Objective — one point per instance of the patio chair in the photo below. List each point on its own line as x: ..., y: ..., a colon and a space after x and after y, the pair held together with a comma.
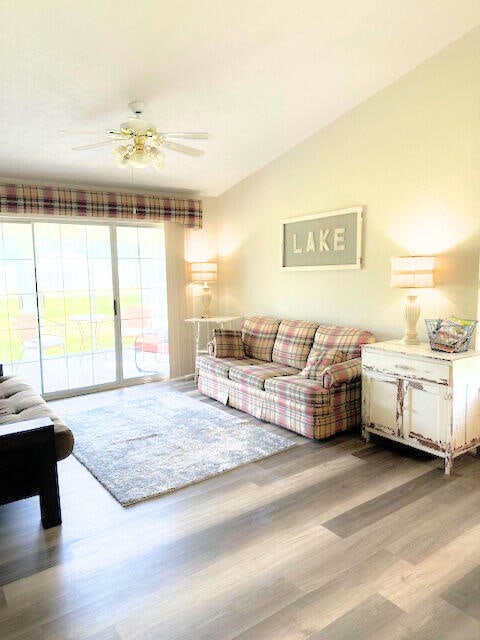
x: 26, y: 328
x: 134, y: 321
x: 156, y: 343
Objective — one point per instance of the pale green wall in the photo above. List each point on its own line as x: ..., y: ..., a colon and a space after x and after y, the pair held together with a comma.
x: 410, y: 155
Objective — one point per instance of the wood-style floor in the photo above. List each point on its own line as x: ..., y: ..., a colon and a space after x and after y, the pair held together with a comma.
x: 326, y: 541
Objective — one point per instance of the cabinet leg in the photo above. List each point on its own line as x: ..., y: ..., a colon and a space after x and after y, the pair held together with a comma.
x: 366, y: 435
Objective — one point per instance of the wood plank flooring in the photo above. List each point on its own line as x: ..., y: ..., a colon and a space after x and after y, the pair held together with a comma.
x: 339, y: 540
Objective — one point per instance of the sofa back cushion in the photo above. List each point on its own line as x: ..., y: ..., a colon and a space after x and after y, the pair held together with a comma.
x: 341, y: 338
x: 258, y: 335
x: 293, y: 342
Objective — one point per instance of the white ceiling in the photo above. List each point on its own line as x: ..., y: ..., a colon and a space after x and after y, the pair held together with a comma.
x: 259, y: 75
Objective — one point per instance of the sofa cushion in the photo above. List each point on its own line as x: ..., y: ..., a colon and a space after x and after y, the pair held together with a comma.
x: 258, y: 335
x: 221, y: 366
x: 298, y: 389
x: 319, y: 360
x: 342, y: 338
x: 227, y: 343
x: 255, y: 375
x: 293, y: 342
x: 18, y: 401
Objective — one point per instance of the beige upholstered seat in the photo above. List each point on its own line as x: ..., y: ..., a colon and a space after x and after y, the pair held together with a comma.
x: 18, y: 401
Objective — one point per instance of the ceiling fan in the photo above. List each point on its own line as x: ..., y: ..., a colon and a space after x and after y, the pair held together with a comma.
x: 142, y: 143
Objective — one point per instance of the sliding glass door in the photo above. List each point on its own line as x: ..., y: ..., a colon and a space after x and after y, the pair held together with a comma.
x: 82, y: 305
x: 143, y: 300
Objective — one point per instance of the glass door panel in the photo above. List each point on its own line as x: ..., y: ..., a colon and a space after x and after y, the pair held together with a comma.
x: 19, y: 334
x: 75, y: 299
x: 143, y: 301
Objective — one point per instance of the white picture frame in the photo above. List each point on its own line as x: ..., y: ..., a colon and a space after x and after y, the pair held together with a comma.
x: 355, y: 263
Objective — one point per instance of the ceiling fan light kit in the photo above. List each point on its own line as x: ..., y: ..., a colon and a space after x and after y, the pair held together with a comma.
x: 143, y: 143
x: 138, y: 157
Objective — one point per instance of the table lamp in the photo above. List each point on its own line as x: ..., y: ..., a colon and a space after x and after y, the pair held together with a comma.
x: 203, y: 273
x: 412, y: 272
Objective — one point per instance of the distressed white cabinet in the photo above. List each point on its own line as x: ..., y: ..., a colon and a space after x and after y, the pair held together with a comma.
x: 423, y: 398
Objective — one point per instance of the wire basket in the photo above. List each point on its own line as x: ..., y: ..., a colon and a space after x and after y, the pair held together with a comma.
x: 450, y: 336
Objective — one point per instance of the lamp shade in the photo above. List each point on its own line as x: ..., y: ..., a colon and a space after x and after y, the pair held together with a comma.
x: 412, y: 272
x: 203, y: 271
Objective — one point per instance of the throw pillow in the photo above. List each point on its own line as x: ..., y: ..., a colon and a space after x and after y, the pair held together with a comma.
x: 318, y: 360
x: 227, y: 343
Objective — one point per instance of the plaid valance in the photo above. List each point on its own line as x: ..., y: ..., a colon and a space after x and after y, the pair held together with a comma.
x: 62, y: 201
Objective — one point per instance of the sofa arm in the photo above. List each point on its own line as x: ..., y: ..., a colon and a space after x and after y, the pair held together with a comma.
x: 342, y: 372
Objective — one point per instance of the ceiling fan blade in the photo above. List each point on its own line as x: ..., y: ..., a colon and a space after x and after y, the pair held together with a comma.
x: 95, y: 145
x: 181, y: 148
x: 187, y: 136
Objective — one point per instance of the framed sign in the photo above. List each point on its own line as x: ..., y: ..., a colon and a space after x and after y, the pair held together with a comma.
x: 331, y: 240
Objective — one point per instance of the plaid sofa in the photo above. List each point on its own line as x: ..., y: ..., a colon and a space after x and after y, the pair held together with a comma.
x: 267, y: 385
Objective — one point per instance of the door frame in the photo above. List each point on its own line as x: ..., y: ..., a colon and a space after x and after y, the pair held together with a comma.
x: 120, y: 381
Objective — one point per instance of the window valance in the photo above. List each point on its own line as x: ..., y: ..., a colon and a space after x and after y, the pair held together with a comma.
x: 62, y: 201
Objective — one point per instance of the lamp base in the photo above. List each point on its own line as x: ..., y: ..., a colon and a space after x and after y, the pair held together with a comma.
x: 206, y: 297
x: 412, y: 314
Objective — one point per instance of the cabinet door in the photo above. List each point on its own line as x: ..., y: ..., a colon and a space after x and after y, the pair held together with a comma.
x: 426, y: 411
x: 381, y: 394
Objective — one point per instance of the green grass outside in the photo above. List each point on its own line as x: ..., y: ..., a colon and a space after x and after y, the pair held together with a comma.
x: 56, y: 310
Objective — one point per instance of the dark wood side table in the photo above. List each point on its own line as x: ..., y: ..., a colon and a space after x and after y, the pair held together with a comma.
x: 28, y: 466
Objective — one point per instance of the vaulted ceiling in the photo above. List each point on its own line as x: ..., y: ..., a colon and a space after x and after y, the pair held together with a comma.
x: 259, y: 75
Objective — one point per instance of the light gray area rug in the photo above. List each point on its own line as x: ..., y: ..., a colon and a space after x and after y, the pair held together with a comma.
x: 142, y: 448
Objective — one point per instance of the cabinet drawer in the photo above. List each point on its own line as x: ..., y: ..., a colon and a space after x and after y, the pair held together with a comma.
x: 409, y: 368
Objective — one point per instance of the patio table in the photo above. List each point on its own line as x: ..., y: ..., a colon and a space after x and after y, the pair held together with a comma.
x: 83, y: 322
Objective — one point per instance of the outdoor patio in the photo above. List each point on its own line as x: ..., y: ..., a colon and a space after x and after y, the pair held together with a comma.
x: 67, y: 372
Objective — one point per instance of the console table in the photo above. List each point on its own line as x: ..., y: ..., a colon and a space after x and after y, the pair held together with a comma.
x: 425, y: 399
x: 223, y: 322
